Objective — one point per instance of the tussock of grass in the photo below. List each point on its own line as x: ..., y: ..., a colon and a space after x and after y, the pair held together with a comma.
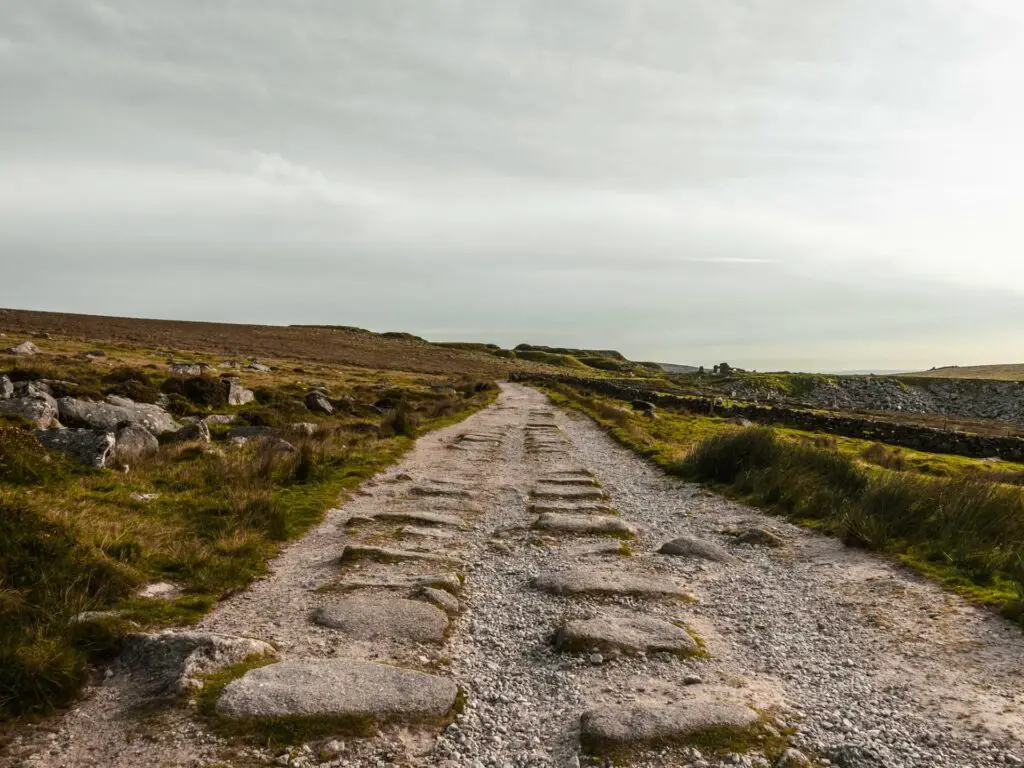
x: 969, y: 530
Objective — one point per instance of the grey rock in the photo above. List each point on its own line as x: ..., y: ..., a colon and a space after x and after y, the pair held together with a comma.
x: 440, y: 489
x: 690, y: 546
x: 318, y: 403
x: 337, y: 688
x: 793, y: 758
x: 25, y: 349
x: 853, y: 756
x: 220, y: 418
x: 449, y: 582
x: 174, y: 662
x: 188, y: 369
x: 110, y: 416
x: 92, y: 448
x: 628, y: 635
x: 133, y: 442
x: 198, y: 431
x: 610, y: 582
x: 304, y: 428
x: 42, y: 411
x: 258, y: 367
x: 571, y: 507
x: 760, y: 537
x: 368, y: 552
x: 237, y: 394
x: 418, y: 532
x: 377, y: 618
x: 593, y: 524
x: 608, y: 727
x: 6, y: 388
x: 571, y: 492
x: 442, y: 598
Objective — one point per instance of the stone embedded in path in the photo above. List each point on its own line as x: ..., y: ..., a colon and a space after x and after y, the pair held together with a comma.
x: 594, y: 524
x: 582, y: 581
x: 624, y: 634
x: 387, y: 554
x: 339, y: 688
x: 569, y: 480
x: 445, y: 581
x: 610, y: 727
x: 174, y: 662
x: 418, y: 532
x: 690, y: 546
x: 569, y: 492
x: 760, y: 537
x: 439, y: 597
x: 436, y: 489
x: 572, y: 507
x: 408, y: 516
x: 378, y: 617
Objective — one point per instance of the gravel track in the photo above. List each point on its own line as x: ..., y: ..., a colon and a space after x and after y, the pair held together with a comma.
x: 839, y: 646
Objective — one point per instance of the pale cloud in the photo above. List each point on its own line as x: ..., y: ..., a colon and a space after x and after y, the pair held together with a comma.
x: 784, y: 184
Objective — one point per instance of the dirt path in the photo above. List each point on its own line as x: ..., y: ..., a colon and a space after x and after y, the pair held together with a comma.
x: 832, y: 648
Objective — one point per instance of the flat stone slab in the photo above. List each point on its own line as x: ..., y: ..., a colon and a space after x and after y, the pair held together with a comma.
x: 690, y: 546
x: 628, y: 635
x: 586, y: 481
x: 382, y: 617
x: 363, y: 551
x: 578, y: 508
x: 451, y: 491
x: 609, y: 727
x: 569, y: 492
x: 339, y: 688
x: 595, y: 524
x: 445, y: 581
x: 583, y: 581
x: 419, y: 532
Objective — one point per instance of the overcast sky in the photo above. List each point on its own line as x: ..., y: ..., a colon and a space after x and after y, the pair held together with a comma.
x: 786, y: 184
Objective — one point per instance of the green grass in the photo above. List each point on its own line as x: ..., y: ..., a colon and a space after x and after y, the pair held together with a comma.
x: 72, y: 539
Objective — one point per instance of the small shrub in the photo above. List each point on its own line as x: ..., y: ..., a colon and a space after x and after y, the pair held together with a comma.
x: 890, y: 458
x: 399, y: 421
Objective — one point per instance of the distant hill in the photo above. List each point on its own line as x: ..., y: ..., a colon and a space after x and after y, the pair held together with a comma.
x: 1004, y: 371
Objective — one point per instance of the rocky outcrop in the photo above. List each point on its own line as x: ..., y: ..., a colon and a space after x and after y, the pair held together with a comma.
x: 87, y: 446
x: 6, y: 388
x: 40, y: 411
x: 189, y: 369
x: 198, y: 431
x: 175, y: 662
x: 118, y: 411
x: 133, y: 442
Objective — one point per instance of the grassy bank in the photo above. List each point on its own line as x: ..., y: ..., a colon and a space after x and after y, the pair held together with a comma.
x: 206, y: 518
x: 958, y: 520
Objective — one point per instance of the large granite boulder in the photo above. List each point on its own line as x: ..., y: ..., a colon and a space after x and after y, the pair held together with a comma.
x: 318, y: 403
x: 41, y: 411
x: 86, y: 446
x: 24, y: 349
x: 133, y: 442
x: 115, y: 413
x: 237, y: 394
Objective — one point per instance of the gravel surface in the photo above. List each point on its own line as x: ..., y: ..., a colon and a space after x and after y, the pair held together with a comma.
x: 864, y: 663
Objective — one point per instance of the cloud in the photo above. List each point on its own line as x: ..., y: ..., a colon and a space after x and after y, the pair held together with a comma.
x: 678, y: 179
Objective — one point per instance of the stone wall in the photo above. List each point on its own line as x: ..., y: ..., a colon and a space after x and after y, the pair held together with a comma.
x: 904, y: 435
